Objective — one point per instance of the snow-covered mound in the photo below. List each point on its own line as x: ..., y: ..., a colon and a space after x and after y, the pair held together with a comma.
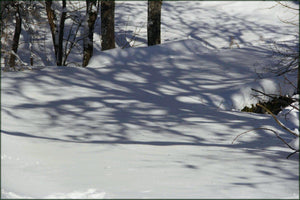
x: 143, y: 123
x: 220, y: 78
x: 290, y: 115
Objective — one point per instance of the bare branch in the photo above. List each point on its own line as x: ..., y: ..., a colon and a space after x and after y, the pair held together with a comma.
x: 268, y: 95
x: 292, y: 154
x: 268, y: 129
x: 287, y: 6
x: 277, y: 121
x: 294, y: 107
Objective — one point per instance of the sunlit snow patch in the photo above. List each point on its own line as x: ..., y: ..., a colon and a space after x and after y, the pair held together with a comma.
x: 89, y: 194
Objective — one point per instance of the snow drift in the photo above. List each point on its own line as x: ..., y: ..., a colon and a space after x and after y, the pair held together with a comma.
x: 143, y: 123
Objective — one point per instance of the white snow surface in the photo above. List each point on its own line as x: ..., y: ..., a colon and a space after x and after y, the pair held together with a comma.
x: 145, y: 122
x: 154, y: 122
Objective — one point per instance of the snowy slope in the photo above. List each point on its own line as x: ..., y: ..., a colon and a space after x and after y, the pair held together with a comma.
x: 155, y: 122
x: 143, y: 122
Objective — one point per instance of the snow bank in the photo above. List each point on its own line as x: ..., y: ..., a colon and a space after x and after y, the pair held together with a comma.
x: 143, y: 123
x: 290, y: 115
x: 154, y: 122
x: 245, y: 96
x: 89, y: 194
x: 234, y: 67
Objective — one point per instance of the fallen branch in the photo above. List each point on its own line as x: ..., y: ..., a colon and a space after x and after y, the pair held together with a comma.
x: 268, y: 129
x: 277, y: 121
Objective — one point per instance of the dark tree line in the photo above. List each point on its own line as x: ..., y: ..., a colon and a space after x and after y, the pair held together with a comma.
x: 12, y: 9
x: 56, y: 18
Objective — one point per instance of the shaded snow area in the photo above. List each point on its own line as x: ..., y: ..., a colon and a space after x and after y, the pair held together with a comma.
x: 145, y: 122
x: 154, y: 122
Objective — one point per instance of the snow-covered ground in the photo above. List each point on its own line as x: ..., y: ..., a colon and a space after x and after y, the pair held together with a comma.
x: 155, y: 122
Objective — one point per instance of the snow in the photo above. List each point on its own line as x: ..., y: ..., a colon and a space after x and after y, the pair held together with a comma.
x: 155, y: 122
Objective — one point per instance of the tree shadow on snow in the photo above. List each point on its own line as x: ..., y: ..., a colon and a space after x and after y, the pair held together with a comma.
x: 141, y: 97
x: 136, y: 98
x: 147, y: 97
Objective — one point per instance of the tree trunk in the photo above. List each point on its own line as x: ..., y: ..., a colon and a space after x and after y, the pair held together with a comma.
x: 60, y: 51
x: 91, y: 12
x: 298, y: 86
x: 108, y: 25
x: 57, y: 31
x: 154, y: 21
x: 15, y: 44
x: 52, y: 20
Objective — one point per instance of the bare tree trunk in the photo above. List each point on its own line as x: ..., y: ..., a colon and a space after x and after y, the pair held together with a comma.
x: 60, y: 51
x: 15, y: 45
x: 154, y: 22
x: 91, y: 12
x: 5, y: 13
x: 52, y: 20
x: 57, y: 31
x: 298, y: 85
x: 108, y: 25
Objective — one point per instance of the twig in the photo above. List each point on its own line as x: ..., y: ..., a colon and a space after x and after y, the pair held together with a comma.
x: 277, y: 121
x: 287, y: 6
x: 294, y: 107
x: 268, y: 95
x: 268, y: 129
x: 290, y: 82
x: 292, y: 154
